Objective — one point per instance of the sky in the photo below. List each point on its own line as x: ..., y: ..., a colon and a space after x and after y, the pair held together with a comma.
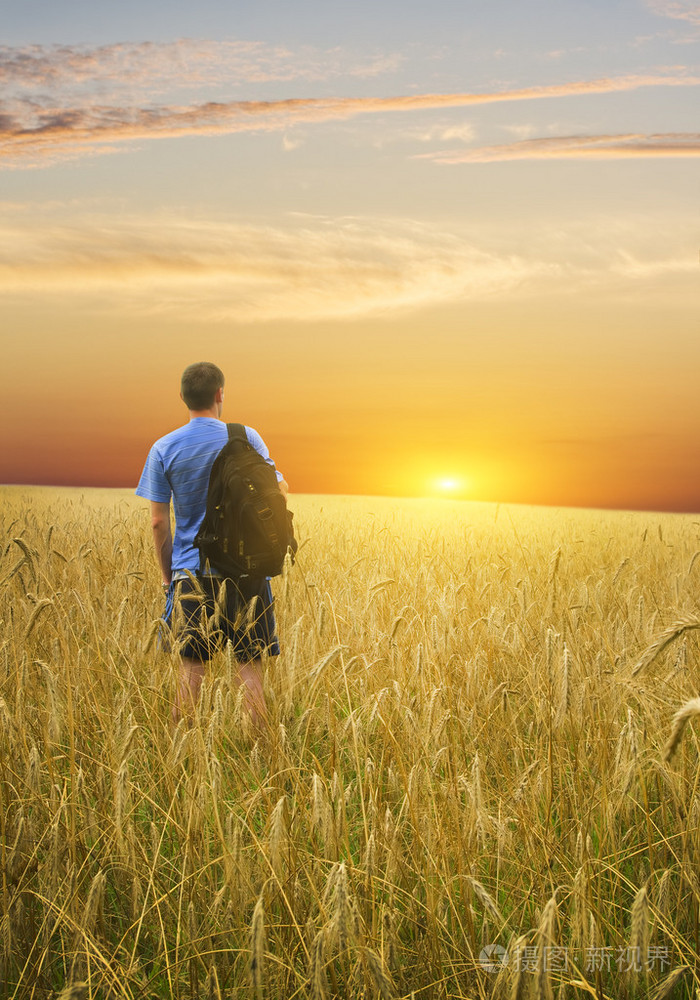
x: 447, y: 249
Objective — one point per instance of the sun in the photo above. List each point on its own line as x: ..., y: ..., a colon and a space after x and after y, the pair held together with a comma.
x: 449, y: 486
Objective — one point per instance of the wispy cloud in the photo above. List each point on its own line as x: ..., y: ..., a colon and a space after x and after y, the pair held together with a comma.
x: 579, y: 147
x: 681, y: 10
x: 37, y: 133
x: 124, y: 67
x: 630, y: 266
x: 313, y: 269
x: 440, y: 131
x: 290, y: 143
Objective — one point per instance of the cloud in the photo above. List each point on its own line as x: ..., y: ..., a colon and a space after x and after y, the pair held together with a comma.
x: 38, y: 133
x: 290, y: 143
x: 315, y: 268
x: 440, y: 131
x: 579, y: 147
x: 463, y: 133
x: 631, y: 266
x: 523, y: 131
x: 681, y: 10
x: 127, y: 66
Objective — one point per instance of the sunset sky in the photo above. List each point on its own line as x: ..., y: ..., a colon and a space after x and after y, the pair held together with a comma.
x: 446, y: 248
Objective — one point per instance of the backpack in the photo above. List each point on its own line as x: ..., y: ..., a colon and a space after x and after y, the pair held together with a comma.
x: 247, y: 529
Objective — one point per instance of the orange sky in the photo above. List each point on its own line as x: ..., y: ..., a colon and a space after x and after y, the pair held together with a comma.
x: 510, y: 409
x: 435, y: 251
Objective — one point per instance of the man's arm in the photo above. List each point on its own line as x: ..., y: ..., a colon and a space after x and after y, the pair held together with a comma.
x: 162, y: 537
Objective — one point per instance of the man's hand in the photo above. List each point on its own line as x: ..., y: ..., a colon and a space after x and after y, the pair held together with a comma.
x: 162, y: 537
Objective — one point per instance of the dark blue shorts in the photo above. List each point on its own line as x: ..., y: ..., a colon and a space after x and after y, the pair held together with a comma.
x: 206, y: 612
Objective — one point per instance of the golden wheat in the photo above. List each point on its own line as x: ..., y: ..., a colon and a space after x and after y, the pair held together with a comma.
x: 684, y: 714
x: 468, y: 721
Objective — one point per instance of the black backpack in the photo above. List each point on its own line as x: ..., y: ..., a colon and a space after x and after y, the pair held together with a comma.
x: 247, y: 529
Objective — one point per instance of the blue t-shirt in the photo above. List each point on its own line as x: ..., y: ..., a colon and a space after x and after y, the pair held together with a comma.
x: 178, y: 467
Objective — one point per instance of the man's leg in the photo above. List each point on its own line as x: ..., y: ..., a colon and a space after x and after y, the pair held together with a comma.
x: 191, y: 605
x: 250, y: 627
x: 250, y: 678
x: 188, y: 688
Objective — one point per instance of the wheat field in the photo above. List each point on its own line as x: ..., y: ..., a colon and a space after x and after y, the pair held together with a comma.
x: 480, y: 779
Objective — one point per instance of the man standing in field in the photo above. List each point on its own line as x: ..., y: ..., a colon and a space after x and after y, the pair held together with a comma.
x: 178, y: 468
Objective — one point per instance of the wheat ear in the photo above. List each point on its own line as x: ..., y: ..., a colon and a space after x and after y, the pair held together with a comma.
x: 665, y: 639
x: 680, y: 720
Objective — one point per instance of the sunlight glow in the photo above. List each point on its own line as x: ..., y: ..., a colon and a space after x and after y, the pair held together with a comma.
x: 448, y: 485
x: 454, y: 486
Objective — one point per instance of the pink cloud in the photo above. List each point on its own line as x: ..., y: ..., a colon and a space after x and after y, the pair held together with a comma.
x: 186, y: 62
x: 610, y: 147
x: 681, y: 10
x: 40, y: 133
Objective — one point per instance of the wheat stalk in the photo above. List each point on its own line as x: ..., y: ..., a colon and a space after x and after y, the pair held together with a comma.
x: 663, y: 641
x: 213, y: 988
x: 639, y: 926
x: 77, y: 991
x: 257, y: 948
x: 519, y: 984
x: 278, y: 834
x: 545, y: 940
x: 486, y: 900
x: 667, y: 987
x: 379, y: 974
x: 680, y: 720
x: 317, y: 969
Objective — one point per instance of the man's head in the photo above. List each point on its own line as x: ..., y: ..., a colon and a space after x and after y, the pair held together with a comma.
x: 200, y: 385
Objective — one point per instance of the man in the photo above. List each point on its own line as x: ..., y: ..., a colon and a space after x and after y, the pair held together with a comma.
x: 200, y: 612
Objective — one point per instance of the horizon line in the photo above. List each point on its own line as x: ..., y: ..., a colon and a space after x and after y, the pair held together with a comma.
x: 424, y: 497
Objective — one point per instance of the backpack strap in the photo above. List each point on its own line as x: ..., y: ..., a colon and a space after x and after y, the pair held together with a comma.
x: 236, y: 432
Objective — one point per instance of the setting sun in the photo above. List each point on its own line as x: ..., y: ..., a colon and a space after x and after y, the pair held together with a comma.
x: 454, y: 486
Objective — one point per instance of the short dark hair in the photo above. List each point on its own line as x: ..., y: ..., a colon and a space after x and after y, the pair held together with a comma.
x: 199, y: 385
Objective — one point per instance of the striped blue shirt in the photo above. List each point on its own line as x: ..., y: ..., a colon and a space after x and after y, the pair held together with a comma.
x: 178, y: 467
